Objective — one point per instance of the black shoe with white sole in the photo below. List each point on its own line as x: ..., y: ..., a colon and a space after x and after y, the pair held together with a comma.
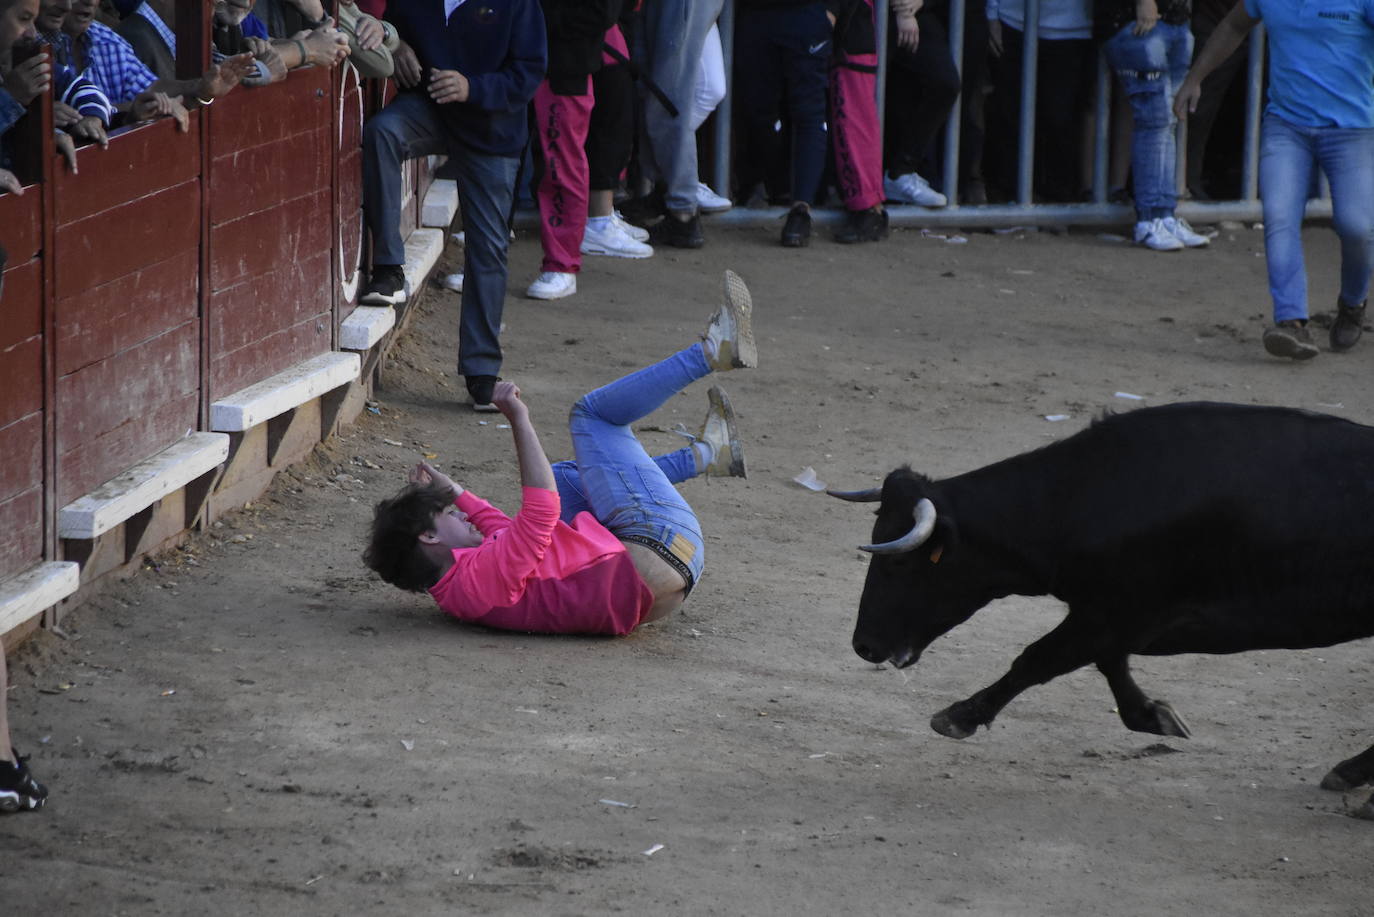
x: 386, y: 288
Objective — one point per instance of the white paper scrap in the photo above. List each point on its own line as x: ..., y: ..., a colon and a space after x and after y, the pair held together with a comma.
x: 653, y: 850
x: 1129, y: 396
x: 1055, y: 418
x: 808, y: 479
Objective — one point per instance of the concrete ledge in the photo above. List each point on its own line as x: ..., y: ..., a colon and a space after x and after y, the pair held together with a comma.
x: 365, y: 326
x: 440, y: 204
x: 423, y: 248
x: 127, y: 494
x: 26, y: 595
x: 258, y: 403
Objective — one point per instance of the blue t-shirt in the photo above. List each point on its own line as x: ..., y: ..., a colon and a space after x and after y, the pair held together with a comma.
x: 1321, y: 60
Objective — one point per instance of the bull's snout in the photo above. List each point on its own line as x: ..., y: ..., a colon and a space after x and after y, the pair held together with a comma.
x: 869, y: 653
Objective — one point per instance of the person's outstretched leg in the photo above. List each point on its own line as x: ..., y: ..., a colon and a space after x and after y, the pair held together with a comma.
x: 628, y: 492
x: 678, y: 466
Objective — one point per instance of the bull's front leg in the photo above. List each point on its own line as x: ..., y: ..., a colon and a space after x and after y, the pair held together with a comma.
x: 1137, y: 711
x: 1069, y: 646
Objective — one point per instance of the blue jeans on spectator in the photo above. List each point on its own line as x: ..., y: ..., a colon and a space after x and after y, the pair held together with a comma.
x: 409, y: 128
x: 1150, y: 68
x: 629, y: 492
x: 1288, y: 155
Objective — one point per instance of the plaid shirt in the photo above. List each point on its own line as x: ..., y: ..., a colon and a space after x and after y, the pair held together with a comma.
x: 166, y: 34
x: 111, y: 63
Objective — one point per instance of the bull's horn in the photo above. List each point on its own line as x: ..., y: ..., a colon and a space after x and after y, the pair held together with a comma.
x: 924, y: 515
x: 872, y: 495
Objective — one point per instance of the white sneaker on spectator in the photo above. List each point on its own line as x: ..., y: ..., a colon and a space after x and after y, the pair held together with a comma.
x: 638, y: 233
x: 1154, y: 235
x: 605, y: 237
x: 552, y: 285
x: 912, y: 189
x: 453, y: 282
x: 709, y: 201
x: 1184, y: 233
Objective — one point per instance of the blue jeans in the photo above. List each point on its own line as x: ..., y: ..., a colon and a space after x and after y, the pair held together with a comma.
x: 1288, y: 155
x: 1150, y: 68
x: 409, y: 128
x: 678, y: 466
x: 629, y: 492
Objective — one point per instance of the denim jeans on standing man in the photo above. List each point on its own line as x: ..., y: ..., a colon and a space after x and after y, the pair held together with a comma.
x: 1150, y: 68
x: 1289, y: 154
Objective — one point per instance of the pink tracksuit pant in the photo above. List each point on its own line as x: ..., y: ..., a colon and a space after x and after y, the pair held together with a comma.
x: 854, y: 129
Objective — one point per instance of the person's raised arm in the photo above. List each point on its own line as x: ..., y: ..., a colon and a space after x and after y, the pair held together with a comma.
x: 1226, y: 38
x: 535, y: 470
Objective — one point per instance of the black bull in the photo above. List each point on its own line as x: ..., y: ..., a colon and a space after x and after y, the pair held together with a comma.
x: 1188, y: 528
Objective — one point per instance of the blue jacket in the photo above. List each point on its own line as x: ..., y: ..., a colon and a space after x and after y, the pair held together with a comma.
x: 498, y: 45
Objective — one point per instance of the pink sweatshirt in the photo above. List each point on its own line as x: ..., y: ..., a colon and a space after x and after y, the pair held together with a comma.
x: 536, y: 573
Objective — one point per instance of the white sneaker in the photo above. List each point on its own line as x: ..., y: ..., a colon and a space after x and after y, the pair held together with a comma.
x: 1154, y: 235
x: 730, y: 335
x: 912, y: 189
x: 453, y: 282
x: 1184, y: 233
x: 552, y: 285
x: 638, y: 233
x: 605, y: 237
x: 719, y: 432
x: 709, y: 201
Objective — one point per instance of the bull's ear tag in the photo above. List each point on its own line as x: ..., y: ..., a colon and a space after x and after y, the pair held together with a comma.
x: 936, y: 554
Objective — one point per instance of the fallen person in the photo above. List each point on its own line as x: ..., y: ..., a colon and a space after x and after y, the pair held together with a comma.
x: 601, y: 544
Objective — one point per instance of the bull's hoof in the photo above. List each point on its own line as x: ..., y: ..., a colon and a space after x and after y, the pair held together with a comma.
x: 1336, y: 783
x: 1168, y: 720
x: 945, y: 724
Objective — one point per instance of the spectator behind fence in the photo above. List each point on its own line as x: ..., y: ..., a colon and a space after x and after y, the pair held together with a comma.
x: 80, y: 107
x: 610, y: 144
x: 669, y: 46
x: 324, y: 46
x: 922, y: 85
x: 562, y: 116
x: 1320, y: 112
x: 20, y: 83
x: 1065, y: 74
x: 782, y: 57
x: 371, y: 41
x: 1148, y: 47
x: 854, y: 131
x: 466, y: 75
x: 1206, y: 16
x: 709, y: 92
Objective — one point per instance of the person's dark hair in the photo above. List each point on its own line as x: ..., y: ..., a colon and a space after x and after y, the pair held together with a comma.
x: 394, y: 550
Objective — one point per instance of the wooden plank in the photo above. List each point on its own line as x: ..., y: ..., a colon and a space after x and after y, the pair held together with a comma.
x: 21, y: 531
x: 87, y: 464
x: 21, y: 309
x: 138, y: 163
x: 238, y: 369
x: 115, y: 316
x: 261, y: 177
x: 290, y: 293
x: 106, y: 246
x: 254, y: 244
x: 21, y: 443
x: 298, y: 104
x: 22, y: 217
x: 25, y: 596
x: 21, y: 380
x: 129, y: 388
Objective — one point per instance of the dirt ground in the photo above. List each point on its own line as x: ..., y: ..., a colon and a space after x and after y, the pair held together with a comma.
x: 254, y: 724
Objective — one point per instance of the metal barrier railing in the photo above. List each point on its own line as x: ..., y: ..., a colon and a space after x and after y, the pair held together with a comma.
x: 1024, y: 211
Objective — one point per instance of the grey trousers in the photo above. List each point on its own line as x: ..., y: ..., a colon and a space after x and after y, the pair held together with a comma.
x: 670, y: 46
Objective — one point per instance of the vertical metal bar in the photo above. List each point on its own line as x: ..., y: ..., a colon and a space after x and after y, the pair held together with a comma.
x: 1254, y: 103
x: 1030, y: 57
x: 1102, y: 128
x: 724, y: 111
x: 880, y: 87
x: 955, y: 120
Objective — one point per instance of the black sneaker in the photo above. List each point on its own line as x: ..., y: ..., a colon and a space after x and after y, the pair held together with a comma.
x: 386, y: 288
x: 796, y: 232
x: 1347, y: 327
x: 480, y: 389
x: 18, y: 790
x: 1290, y: 339
x: 678, y: 233
x: 863, y: 226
